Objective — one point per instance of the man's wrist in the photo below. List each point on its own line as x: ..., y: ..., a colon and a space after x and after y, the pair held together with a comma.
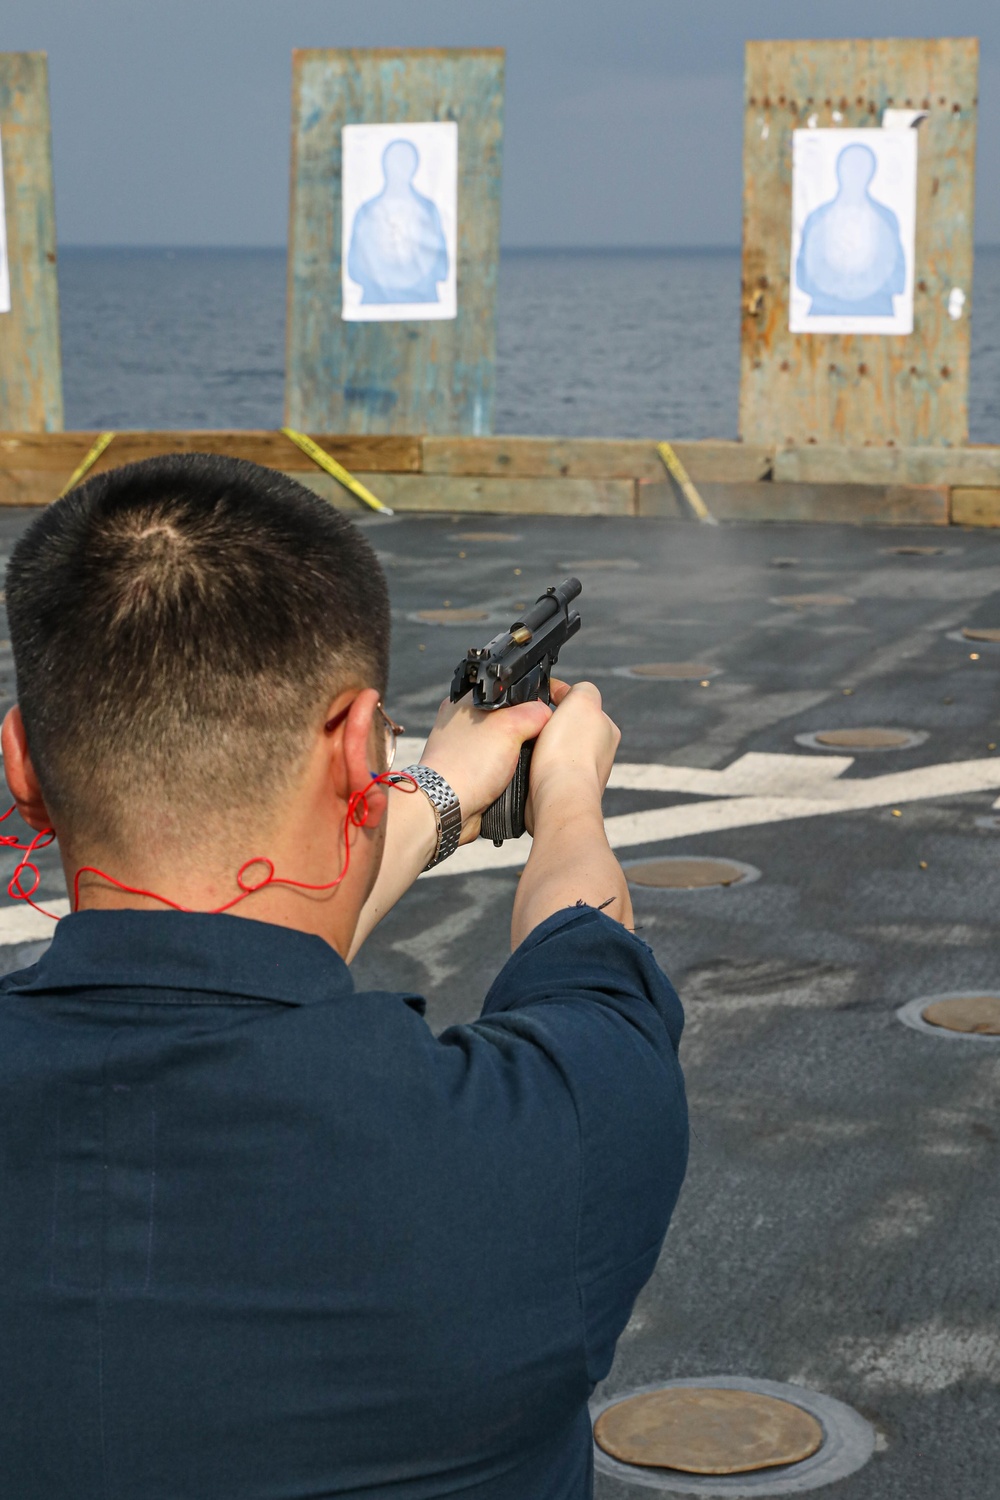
x: 444, y: 802
x: 568, y: 793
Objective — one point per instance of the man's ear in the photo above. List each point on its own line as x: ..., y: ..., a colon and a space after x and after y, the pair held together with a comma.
x: 355, y: 754
x: 20, y: 772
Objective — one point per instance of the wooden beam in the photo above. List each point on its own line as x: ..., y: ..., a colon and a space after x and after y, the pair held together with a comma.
x: 857, y: 504
x: 590, y: 458
x: 974, y: 506
x: 39, y: 464
x: 832, y: 465
x: 565, y: 476
x: 432, y: 492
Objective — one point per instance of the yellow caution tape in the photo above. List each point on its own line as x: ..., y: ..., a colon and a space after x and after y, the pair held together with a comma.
x: 84, y: 468
x: 330, y: 466
x: 691, y: 495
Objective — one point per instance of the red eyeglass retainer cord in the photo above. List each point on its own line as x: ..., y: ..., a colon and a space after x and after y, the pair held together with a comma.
x: 356, y: 817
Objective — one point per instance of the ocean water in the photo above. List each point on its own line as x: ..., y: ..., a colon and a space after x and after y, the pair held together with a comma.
x: 613, y: 343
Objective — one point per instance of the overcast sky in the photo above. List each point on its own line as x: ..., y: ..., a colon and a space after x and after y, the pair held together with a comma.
x: 623, y: 117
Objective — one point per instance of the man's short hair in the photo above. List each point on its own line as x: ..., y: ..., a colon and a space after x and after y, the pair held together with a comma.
x: 179, y: 626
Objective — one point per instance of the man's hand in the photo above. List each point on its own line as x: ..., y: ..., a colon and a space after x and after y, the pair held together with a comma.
x: 570, y: 861
x: 476, y: 752
x: 575, y: 751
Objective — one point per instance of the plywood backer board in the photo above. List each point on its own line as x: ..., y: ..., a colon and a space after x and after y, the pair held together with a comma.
x: 30, y: 360
x: 830, y: 388
x: 407, y: 376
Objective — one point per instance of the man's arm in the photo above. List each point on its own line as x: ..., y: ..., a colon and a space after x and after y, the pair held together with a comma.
x: 571, y: 862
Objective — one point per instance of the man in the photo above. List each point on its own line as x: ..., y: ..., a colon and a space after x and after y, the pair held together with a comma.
x: 263, y: 1237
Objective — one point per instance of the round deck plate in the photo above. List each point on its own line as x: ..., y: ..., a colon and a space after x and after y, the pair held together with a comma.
x: 701, y: 1430
x: 862, y: 739
x: 974, y: 1015
x: 451, y: 616
x: 812, y: 601
x: 848, y: 1442
x: 602, y: 565
x: 688, y: 873
x: 970, y: 1016
x: 912, y: 551
x: 670, y: 671
x: 484, y: 536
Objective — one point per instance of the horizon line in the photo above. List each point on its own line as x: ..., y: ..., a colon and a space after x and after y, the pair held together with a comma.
x: 693, y: 249
x: 509, y: 249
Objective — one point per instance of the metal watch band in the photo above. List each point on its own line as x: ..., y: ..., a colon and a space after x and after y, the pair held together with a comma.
x: 446, y: 806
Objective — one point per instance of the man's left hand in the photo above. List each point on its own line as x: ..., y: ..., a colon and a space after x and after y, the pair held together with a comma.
x: 476, y: 752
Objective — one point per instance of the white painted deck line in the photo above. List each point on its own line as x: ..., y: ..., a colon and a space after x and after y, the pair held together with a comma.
x: 755, y: 789
x: 20, y: 923
x: 804, y: 795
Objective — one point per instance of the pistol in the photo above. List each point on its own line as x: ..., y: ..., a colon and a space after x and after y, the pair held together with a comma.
x: 516, y: 667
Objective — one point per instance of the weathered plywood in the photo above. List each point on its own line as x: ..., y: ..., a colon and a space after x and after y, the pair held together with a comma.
x: 589, y: 458
x: 392, y: 377
x: 878, y: 486
x: 26, y: 487
x: 880, y: 465
x: 429, y: 492
x: 30, y: 361
x: 826, y: 388
x: 975, y: 506
x: 860, y: 504
x: 34, y: 467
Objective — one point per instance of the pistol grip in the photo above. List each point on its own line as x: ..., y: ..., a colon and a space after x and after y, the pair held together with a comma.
x: 504, y: 818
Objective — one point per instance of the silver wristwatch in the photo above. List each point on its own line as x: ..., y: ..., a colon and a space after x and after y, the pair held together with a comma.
x: 446, y: 807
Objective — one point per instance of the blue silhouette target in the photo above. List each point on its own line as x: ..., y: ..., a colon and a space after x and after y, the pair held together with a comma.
x: 853, y: 251
x: 398, y: 252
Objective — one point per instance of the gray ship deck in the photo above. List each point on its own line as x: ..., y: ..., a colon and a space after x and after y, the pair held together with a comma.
x: 840, y: 1218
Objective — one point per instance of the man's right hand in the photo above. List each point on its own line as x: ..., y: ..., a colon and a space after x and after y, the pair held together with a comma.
x: 574, y: 752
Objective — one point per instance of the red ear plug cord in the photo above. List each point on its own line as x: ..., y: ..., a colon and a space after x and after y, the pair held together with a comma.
x: 356, y: 817
x: 40, y: 841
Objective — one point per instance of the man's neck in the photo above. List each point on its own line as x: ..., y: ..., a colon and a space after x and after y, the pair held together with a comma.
x: 99, y: 882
